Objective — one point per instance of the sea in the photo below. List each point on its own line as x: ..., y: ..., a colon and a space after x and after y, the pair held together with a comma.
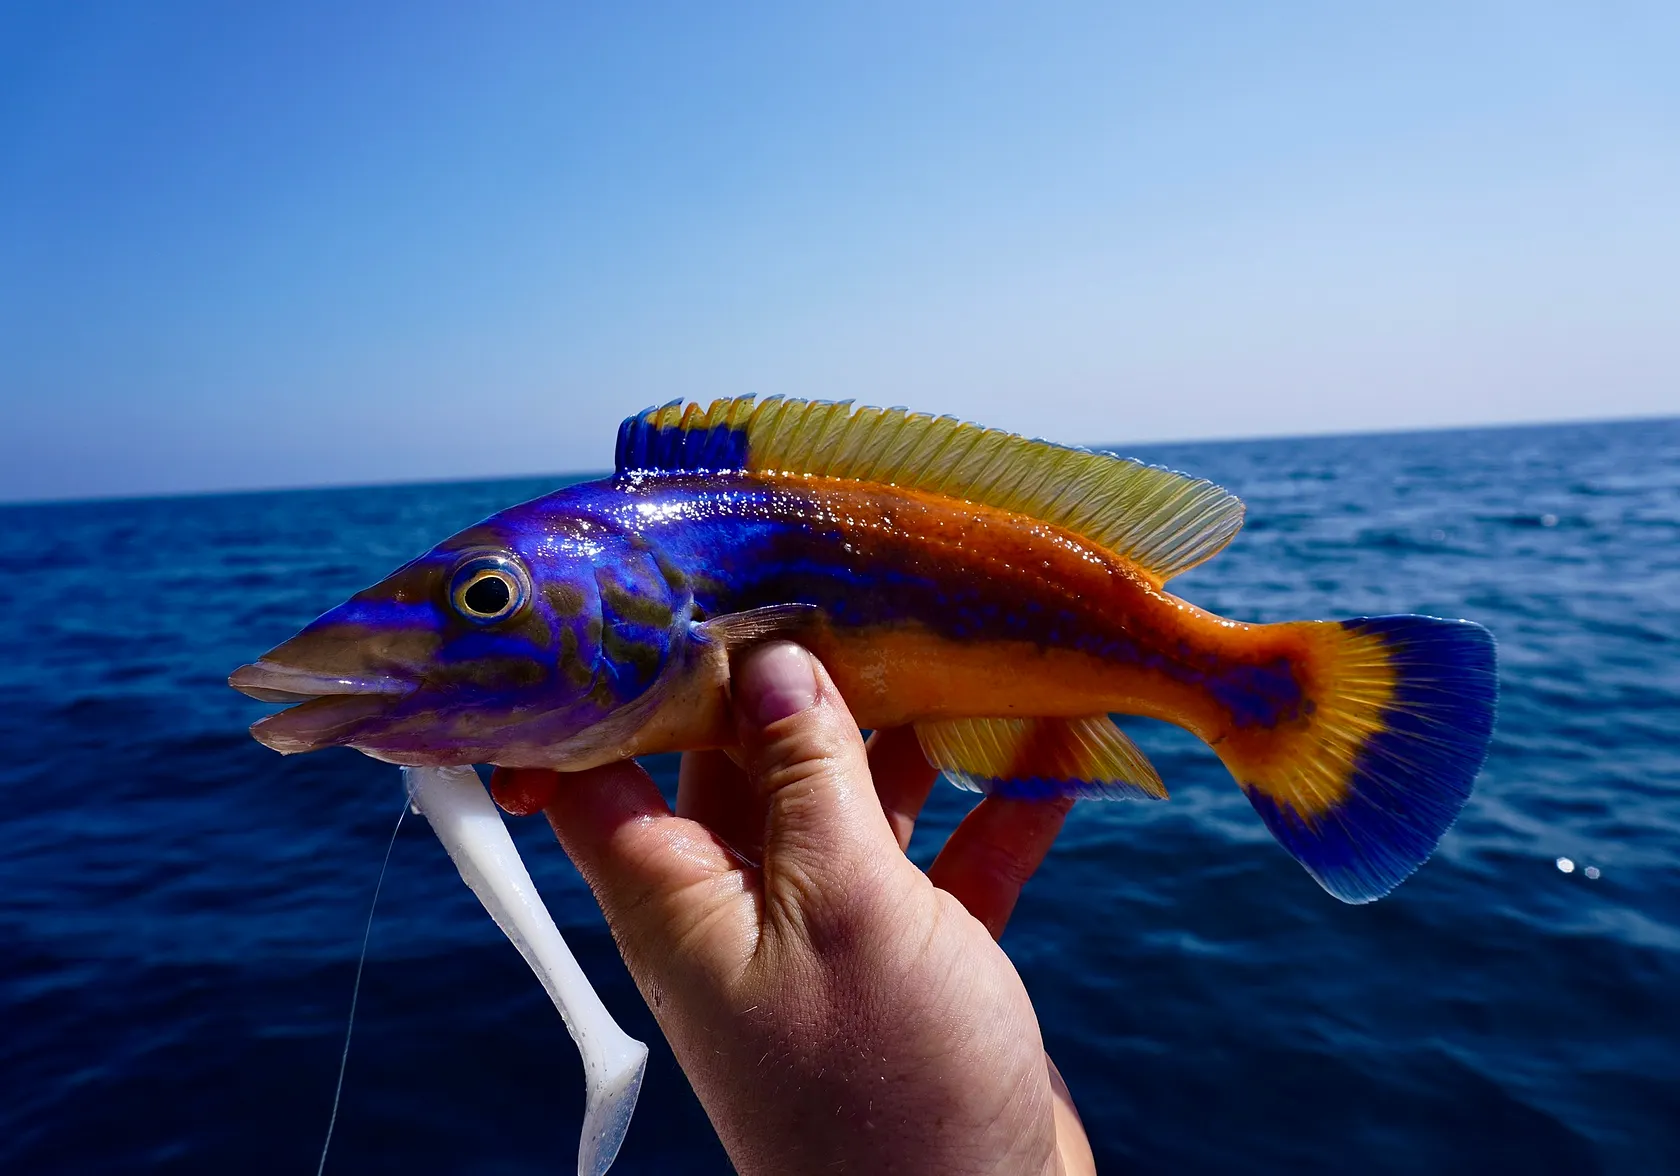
x: 182, y: 910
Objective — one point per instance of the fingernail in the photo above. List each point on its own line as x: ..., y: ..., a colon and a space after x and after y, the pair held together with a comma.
x: 774, y: 682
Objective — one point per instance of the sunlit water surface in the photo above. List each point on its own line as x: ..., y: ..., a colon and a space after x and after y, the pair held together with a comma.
x: 180, y: 909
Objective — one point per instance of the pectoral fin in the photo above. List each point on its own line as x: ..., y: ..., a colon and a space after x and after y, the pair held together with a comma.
x: 1038, y: 759
x: 736, y: 631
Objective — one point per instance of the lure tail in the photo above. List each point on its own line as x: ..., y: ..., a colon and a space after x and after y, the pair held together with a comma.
x: 1362, y: 780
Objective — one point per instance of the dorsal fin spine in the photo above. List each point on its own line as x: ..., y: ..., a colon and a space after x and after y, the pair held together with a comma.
x: 715, y: 454
x: 856, y: 443
x: 763, y: 423
x: 695, y: 441
x: 874, y: 457
x: 959, y: 443
x: 1054, y: 474
x: 1077, y: 512
x: 931, y: 440
x: 796, y: 418
x: 811, y: 433
x: 998, y: 473
x: 979, y: 453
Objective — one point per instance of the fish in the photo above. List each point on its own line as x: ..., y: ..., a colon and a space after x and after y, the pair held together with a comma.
x: 1003, y: 596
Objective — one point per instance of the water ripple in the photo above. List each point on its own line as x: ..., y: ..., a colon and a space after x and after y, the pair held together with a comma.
x: 182, y: 907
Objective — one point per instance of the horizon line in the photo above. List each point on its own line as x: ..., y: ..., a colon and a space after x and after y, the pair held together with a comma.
x: 565, y: 478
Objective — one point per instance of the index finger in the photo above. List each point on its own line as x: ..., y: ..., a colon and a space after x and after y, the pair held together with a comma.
x: 652, y: 872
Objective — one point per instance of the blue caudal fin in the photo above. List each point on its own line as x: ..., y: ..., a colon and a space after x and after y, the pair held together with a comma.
x: 1361, y: 790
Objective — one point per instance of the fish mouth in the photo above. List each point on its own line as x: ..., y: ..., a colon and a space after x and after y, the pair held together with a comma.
x: 327, y: 709
x: 268, y: 681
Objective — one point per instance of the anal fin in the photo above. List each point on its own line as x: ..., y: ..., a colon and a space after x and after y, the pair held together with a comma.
x: 1039, y: 759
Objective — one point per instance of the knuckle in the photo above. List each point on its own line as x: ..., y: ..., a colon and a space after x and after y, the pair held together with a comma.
x: 804, y: 745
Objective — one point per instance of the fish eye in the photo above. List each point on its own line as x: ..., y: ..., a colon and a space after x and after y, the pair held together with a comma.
x: 487, y: 588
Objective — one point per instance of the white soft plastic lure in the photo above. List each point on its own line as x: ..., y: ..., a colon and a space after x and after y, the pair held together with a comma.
x: 467, y: 822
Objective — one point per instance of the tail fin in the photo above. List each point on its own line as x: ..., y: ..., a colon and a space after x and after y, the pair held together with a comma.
x: 1379, y: 760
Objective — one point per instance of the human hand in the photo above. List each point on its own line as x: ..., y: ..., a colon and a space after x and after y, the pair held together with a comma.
x: 834, y: 1008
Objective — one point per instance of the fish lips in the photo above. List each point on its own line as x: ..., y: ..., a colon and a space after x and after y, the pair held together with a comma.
x: 329, y: 708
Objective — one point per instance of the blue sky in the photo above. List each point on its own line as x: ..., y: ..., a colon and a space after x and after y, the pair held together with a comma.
x: 326, y: 243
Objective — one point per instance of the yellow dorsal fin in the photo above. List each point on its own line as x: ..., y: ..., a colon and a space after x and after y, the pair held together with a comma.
x: 1037, y: 759
x: 1161, y: 521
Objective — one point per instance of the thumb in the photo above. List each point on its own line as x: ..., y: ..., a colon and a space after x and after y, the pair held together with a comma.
x: 824, y: 828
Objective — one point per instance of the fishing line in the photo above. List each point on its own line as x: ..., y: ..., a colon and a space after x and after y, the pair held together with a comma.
x: 356, y: 990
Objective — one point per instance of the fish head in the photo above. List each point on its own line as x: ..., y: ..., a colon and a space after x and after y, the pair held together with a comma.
x: 498, y: 645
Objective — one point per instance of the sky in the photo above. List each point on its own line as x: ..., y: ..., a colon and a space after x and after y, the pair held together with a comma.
x: 249, y: 246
